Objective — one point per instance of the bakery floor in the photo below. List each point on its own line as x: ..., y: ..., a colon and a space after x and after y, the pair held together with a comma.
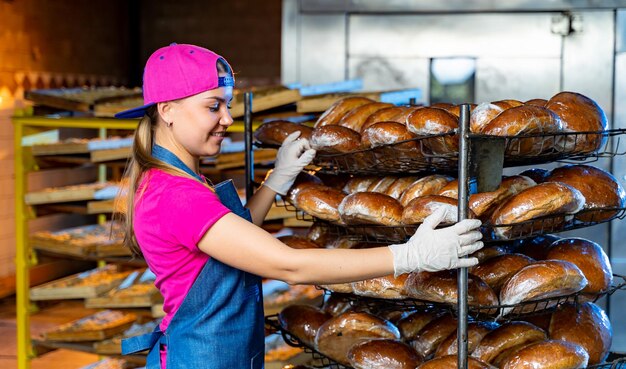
x: 41, y: 321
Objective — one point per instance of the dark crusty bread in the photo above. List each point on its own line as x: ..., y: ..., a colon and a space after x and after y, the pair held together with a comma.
x: 320, y: 201
x: 548, y: 354
x: 433, y: 334
x: 586, y: 325
x: 411, y: 325
x: 383, y: 354
x: 508, y: 336
x: 383, y: 115
x: 489, y: 252
x: 387, y: 287
x: 335, y: 139
x: 303, y: 180
x: 340, y: 108
x: 475, y: 333
x: 538, y: 175
x: 387, y: 133
x: 450, y: 361
x: 275, y: 132
x: 303, y: 321
x: 429, y: 185
x: 356, y: 117
x: 421, y: 207
x: 482, y: 115
x: 370, y: 208
x: 537, y: 247
x: 536, y: 102
x: 359, y: 184
x: 432, y: 121
x: 399, y: 186
x: 497, y: 270
x: 298, y: 242
x: 382, y: 184
x: 442, y: 287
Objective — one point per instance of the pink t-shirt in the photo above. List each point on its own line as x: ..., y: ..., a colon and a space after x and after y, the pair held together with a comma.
x: 171, y: 216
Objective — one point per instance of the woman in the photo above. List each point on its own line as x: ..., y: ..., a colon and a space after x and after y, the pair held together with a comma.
x: 208, y: 251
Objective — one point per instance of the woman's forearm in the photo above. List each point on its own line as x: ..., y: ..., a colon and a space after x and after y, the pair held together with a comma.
x: 260, y: 203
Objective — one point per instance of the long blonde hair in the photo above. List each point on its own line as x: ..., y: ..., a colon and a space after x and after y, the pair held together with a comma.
x: 140, y: 162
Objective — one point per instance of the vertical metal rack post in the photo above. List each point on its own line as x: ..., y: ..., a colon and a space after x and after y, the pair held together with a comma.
x: 463, y: 207
x: 249, y: 154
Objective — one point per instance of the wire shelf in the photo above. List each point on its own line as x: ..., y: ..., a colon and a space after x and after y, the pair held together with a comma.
x: 319, y: 360
x: 484, y: 312
x: 416, y: 156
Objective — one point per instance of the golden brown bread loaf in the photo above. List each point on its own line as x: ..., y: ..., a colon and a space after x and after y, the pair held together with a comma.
x: 579, y: 114
x: 298, y: 242
x: 541, y: 320
x: 498, y: 343
x: 338, y: 287
x: 335, y: 139
x: 589, y: 257
x: 359, y: 184
x: 497, y: 270
x: 549, y: 354
x: 432, y: 121
x: 482, y: 115
x: 538, y: 175
x: 429, y: 185
x: 383, y: 354
x: 383, y: 115
x: 403, y: 115
x: 508, y: 103
x: 412, y: 324
x: 450, y: 361
x: 320, y: 235
x: 320, y: 201
x: 600, y: 189
x: 548, y: 198
x: 382, y: 184
x: 336, y: 336
x: 275, y: 132
x: 541, y: 279
x: 303, y: 321
x: 340, y: 108
x: 336, y: 304
x: 356, y: 117
x: 370, y: 208
x: 537, y: 102
x: 456, y: 109
x: 387, y: 133
x: 303, y: 180
x: 387, y: 287
x: 537, y: 247
x: 586, y: 325
x: 523, y: 120
x: 475, y: 333
x: 399, y: 186
x: 442, y: 287
x: 433, y: 334
x: 419, y: 208
x: 489, y: 252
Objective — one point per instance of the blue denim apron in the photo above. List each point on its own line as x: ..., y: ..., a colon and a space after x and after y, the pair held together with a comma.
x: 219, y: 325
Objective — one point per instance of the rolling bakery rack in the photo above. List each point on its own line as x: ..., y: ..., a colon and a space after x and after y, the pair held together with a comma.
x: 482, y: 158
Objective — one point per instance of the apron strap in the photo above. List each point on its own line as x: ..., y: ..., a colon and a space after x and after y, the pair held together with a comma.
x: 143, y: 342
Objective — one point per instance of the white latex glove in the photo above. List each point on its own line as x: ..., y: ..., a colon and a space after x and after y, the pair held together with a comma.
x: 293, y: 155
x: 433, y: 249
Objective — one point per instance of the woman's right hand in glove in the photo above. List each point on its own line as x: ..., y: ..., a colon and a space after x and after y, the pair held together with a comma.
x: 432, y: 249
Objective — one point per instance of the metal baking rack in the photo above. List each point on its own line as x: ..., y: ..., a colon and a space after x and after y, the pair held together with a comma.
x: 530, y: 149
x: 319, y: 360
x: 491, y: 232
x: 482, y: 312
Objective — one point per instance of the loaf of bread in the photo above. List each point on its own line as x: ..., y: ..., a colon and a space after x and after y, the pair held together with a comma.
x: 320, y: 201
x: 359, y: 184
x: 482, y: 115
x: 429, y: 185
x: 579, y: 114
x: 538, y: 175
x: 336, y: 336
x: 600, y: 189
x: 507, y: 103
x: 419, y: 208
x: 303, y: 180
x: 475, y: 333
x: 404, y: 115
x: 383, y: 354
x: 442, y: 287
x: 524, y: 120
x: 548, y: 354
x: 343, y: 242
x: 370, y: 208
x: 319, y: 234
x: 537, y: 247
x: 450, y: 361
x: 433, y: 334
x: 275, y: 132
x: 589, y: 257
x: 388, y: 287
x: 411, y: 325
x: 432, y: 121
x: 399, y: 186
x: 336, y: 304
x: 489, y: 252
x: 497, y: 344
x: 303, y: 321
x: 335, y: 139
x: 382, y: 184
x: 497, y: 270
x: 298, y: 242
x: 456, y: 109
x: 356, y: 117
x: 545, y: 199
x: 586, y: 325
x: 539, y: 280
x: 541, y: 320
x: 537, y: 102
x: 383, y: 115
x: 387, y: 133
x: 338, y: 287
x: 340, y: 108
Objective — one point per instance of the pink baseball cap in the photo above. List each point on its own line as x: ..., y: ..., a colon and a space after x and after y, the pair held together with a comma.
x: 175, y: 72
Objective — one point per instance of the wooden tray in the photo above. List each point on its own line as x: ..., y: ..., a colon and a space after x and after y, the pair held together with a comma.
x: 82, y: 285
x: 53, y: 195
x: 80, y: 241
x: 264, y: 98
x: 77, y: 99
x: 97, y: 327
x: 137, y: 290
x: 319, y: 103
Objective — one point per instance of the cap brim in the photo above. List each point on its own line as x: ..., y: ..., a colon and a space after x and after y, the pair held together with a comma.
x: 134, y: 113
